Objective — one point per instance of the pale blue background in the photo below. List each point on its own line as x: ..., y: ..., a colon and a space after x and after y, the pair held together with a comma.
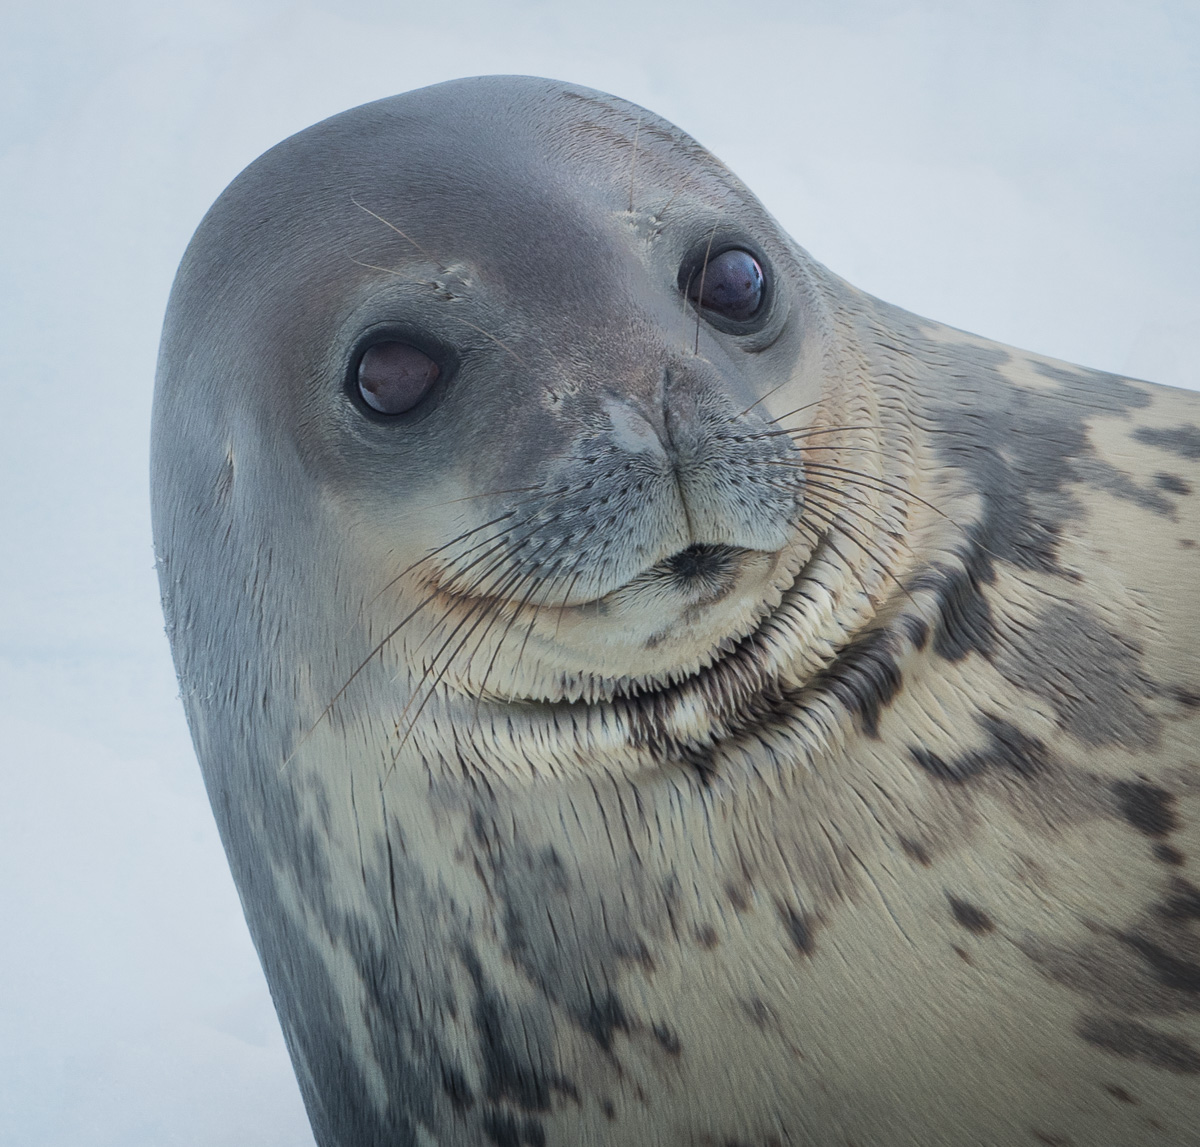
x: 1026, y: 169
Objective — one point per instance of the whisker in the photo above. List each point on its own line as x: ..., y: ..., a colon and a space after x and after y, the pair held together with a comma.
x: 551, y: 573
x: 440, y: 549
x: 879, y: 485
x: 825, y: 539
x: 798, y: 410
x: 499, y: 342
x: 802, y: 432
x: 477, y: 606
x: 487, y: 611
x: 497, y: 494
x: 392, y: 271
x: 669, y: 203
x: 567, y: 595
x: 429, y: 693
x: 892, y: 487
x: 530, y: 578
x: 883, y: 485
x: 752, y: 405
x: 390, y: 635
x: 528, y: 634
x: 402, y: 234
x: 855, y: 535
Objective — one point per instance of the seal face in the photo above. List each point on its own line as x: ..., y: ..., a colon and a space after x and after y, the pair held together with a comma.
x: 652, y: 692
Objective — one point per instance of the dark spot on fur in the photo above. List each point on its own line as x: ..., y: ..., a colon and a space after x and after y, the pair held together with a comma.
x: 972, y: 918
x: 1187, y: 543
x: 1171, y: 971
x: 935, y: 766
x: 507, y: 1076
x: 1147, y: 807
x: 668, y: 1040
x: 511, y: 1069
x: 610, y: 1111
x: 1089, y: 673
x: 916, y: 850
x: 1119, y: 1093
x: 737, y: 897
x: 1008, y: 751
x: 635, y: 952
x: 760, y: 1014
x: 964, y: 622
x: 455, y: 1085
x: 1182, y: 440
x: 1017, y: 448
x: 1050, y: 1140
x: 1168, y: 854
x: 1132, y: 1040
x: 1188, y: 698
x: 1104, y: 476
x: 865, y: 678
x: 798, y: 926
x: 504, y: 1131
x: 1172, y: 483
x: 917, y: 630
x: 604, y: 1016
x: 1151, y: 966
x: 963, y: 955
x: 706, y: 936
x: 1182, y: 904
x: 225, y: 477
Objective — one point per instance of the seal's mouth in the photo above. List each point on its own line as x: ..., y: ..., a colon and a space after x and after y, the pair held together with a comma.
x: 733, y: 693
x: 731, y: 639
x: 693, y: 578
x: 699, y: 575
x: 704, y: 573
x: 736, y: 690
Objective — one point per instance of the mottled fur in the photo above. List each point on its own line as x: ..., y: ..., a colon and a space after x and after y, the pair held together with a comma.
x: 884, y: 831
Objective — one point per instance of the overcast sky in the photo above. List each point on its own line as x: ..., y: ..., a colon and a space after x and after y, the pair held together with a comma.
x: 1026, y: 169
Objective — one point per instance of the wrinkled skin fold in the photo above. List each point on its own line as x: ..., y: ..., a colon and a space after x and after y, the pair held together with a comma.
x: 674, y: 728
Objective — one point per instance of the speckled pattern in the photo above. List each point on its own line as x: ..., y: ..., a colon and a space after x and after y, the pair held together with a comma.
x: 674, y: 730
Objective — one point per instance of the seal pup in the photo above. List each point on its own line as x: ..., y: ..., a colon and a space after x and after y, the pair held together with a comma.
x: 652, y: 692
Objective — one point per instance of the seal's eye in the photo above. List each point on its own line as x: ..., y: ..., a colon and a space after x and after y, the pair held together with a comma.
x: 394, y: 377
x: 731, y: 284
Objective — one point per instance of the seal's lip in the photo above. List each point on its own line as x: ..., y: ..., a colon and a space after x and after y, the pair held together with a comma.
x: 736, y: 692
x: 722, y: 651
x: 734, y: 689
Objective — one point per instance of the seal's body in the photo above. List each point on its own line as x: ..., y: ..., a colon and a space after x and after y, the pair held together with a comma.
x: 654, y: 693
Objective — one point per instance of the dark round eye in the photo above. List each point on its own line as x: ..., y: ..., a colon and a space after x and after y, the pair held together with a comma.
x: 731, y: 284
x: 394, y: 377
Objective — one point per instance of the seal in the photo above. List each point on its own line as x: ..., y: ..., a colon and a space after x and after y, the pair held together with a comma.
x: 652, y: 692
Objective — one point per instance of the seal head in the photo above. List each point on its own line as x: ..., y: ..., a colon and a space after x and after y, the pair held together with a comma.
x: 650, y: 691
